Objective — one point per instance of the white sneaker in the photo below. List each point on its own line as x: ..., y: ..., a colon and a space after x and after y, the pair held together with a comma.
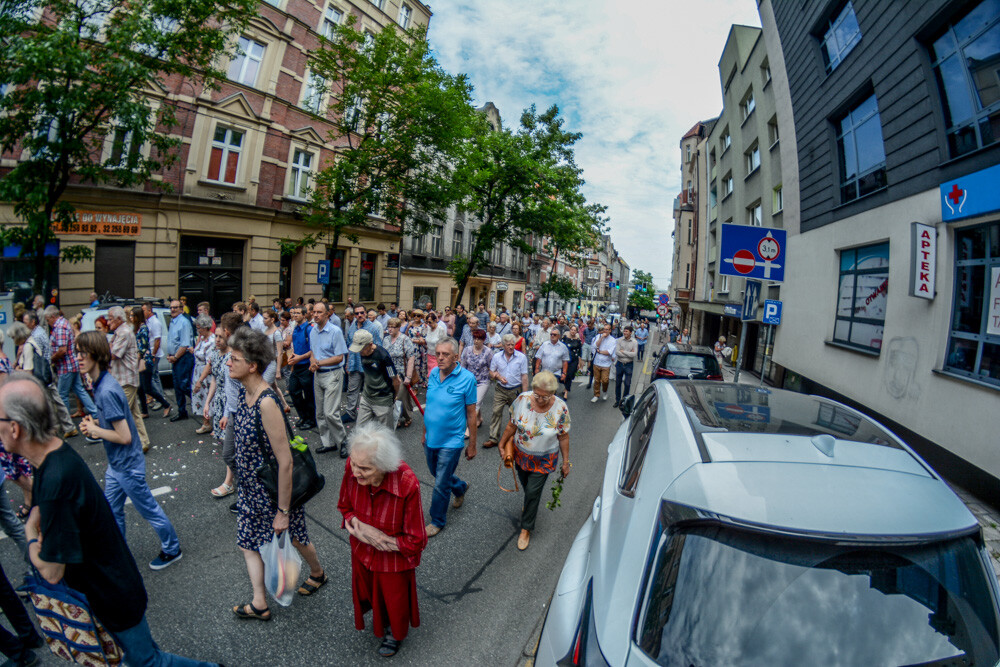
x: 593, y: 400
x: 605, y: 397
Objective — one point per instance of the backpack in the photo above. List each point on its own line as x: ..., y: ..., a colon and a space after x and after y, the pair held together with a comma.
x: 40, y: 367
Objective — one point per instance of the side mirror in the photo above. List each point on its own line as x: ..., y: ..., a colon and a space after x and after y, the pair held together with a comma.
x: 627, y: 406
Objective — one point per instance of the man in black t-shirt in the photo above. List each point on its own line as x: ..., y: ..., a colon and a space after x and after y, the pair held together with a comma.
x: 381, y: 381
x: 72, y: 533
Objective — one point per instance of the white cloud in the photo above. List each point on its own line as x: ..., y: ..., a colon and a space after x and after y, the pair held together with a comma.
x: 632, y: 77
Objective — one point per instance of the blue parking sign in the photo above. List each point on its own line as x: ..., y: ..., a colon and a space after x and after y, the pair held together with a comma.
x: 323, y: 272
x: 772, y: 312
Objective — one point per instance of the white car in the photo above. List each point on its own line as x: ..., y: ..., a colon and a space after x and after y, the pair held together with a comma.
x: 90, y: 315
x: 745, y: 526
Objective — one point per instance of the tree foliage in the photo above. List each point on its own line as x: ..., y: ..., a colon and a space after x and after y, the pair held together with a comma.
x: 400, y: 120
x: 523, y: 186
x: 77, y: 72
x: 642, y: 299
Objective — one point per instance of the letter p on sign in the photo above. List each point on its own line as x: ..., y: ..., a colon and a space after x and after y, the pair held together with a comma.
x: 772, y: 312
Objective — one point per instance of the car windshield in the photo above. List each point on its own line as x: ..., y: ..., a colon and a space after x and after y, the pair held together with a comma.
x: 687, y: 364
x: 719, y: 596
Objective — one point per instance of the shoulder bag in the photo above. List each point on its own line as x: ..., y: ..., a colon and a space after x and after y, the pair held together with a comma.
x: 306, y: 479
x: 69, y: 626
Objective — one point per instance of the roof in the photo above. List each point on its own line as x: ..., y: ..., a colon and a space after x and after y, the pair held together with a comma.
x: 799, y: 462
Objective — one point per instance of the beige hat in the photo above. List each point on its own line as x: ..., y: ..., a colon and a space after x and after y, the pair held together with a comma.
x: 361, y: 340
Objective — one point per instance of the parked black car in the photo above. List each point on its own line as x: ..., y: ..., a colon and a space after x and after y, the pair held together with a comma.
x: 687, y: 362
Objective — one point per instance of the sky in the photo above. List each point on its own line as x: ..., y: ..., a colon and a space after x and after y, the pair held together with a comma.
x: 632, y: 77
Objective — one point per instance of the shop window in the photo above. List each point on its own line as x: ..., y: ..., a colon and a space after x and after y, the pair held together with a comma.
x: 424, y: 296
x: 18, y: 273
x: 334, y: 290
x: 965, y: 60
x: 974, y: 340
x: 861, y: 151
x: 862, y: 295
x: 366, y: 276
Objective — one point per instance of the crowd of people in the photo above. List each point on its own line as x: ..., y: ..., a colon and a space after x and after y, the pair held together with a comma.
x: 376, y: 368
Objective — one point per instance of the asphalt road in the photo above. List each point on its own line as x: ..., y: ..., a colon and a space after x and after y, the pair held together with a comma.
x: 481, y: 600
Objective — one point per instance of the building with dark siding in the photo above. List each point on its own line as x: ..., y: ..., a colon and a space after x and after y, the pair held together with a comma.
x: 892, y: 289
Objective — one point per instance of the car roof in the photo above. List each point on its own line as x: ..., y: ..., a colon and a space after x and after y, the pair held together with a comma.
x: 683, y: 348
x: 771, y: 457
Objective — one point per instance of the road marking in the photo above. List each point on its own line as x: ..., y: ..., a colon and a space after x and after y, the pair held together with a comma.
x: 158, y: 491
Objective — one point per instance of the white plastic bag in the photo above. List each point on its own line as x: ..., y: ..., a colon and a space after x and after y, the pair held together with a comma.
x: 397, y: 412
x: 282, y: 564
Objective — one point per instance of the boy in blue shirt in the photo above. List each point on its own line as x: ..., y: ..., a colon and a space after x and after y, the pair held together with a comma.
x: 126, y: 473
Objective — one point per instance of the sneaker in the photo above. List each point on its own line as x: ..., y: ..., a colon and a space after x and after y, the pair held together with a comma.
x: 605, y: 397
x: 72, y: 433
x: 232, y: 508
x: 93, y: 441
x: 164, y: 560
x: 593, y: 400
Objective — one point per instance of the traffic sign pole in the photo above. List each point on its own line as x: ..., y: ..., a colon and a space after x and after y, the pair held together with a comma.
x: 739, y: 357
x: 768, y: 341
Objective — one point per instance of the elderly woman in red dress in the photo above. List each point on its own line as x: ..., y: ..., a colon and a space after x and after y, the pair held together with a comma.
x: 380, y: 501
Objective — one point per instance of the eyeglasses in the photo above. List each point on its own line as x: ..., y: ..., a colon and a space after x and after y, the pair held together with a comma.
x: 6, y: 419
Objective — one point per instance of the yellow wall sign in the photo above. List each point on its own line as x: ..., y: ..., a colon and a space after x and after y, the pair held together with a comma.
x: 103, y: 223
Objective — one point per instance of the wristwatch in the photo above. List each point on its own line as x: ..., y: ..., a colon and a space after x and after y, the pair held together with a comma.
x: 285, y: 512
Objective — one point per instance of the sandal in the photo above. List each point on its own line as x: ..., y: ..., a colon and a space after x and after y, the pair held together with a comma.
x: 249, y: 611
x: 223, y: 490
x: 403, y: 423
x: 308, y: 589
x: 23, y: 511
x: 390, y: 646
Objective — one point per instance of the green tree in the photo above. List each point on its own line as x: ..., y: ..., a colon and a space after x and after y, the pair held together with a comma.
x: 523, y: 186
x: 76, y: 72
x: 642, y: 292
x: 574, y: 242
x: 400, y: 120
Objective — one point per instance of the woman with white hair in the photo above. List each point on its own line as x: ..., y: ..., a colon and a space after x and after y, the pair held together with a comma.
x: 203, y: 347
x: 380, y: 502
x: 538, y: 431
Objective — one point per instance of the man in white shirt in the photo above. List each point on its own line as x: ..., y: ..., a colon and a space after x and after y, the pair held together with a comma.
x: 604, y: 355
x: 256, y: 319
x: 509, y: 371
x: 553, y: 356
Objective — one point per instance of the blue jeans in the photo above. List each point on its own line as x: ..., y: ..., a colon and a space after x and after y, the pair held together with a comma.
x: 623, y: 374
x: 118, y: 485
x: 141, y: 650
x: 72, y: 382
x: 183, y: 368
x: 642, y: 351
x: 442, y: 462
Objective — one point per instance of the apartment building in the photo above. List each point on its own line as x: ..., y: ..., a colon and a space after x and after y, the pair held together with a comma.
x: 744, y: 187
x: 893, y: 272
x: 248, y: 152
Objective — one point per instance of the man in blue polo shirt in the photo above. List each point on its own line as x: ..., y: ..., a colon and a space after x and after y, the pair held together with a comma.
x: 450, y: 409
x: 327, y: 352
x: 180, y: 343
x: 300, y: 381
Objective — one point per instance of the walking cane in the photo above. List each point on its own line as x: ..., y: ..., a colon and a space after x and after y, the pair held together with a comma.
x: 413, y: 396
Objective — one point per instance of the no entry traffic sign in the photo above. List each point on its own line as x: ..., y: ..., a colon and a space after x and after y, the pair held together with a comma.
x: 753, y: 252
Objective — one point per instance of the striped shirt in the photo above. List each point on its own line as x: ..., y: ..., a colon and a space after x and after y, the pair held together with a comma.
x: 62, y: 336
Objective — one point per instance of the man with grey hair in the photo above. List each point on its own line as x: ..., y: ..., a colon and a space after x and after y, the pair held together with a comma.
x: 471, y: 325
x: 61, y: 341
x: 72, y: 533
x: 124, y: 366
x: 509, y: 370
x: 450, y: 409
x: 180, y: 354
x: 39, y: 340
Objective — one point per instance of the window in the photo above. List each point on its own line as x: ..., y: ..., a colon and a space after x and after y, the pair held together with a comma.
x: 334, y: 290
x: 93, y: 14
x: 727, y: 184
x: 376, y: 203
x: 772, y: 130
x: 246, y: 65
x: 366, y: 277
x: 974, y: 341
x: 436, y: 233
x: 353, y: 113
x: 753, y: 215
x: 765, y: 72
x: 687, y: 276
x: 417, y: 245
x: 690, y: 232
x: 862, y: 294
x: 639, y: 434
x: 777, y: 200
x: 312, y: 93
x: 225, y: 157
x: 124, y: 153
x: 333, y: 17
x: 726, y: 141
x: 748, y: 104
x: 456, y: 243
x: 378, y: 3
x: 752, y: 158
x: 965, y: 63
x: 300, y: 170
x: 405, y: 14
x: 840, y: 37
x: 862, y: 154
x: 724, y: 284
x: 688, y: 158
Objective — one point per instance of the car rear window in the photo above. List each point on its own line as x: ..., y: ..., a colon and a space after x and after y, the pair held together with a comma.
x: 684, y: 364
x: 719, y: 596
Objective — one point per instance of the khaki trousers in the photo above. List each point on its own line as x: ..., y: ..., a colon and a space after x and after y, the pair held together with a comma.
x: 601, y: 378
x: 132, y: 394
x: 502, y: 399
x: 328, y: 388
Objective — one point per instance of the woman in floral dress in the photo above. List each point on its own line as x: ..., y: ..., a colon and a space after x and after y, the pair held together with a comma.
x: 476, y: 359
x: 203, y: 347
x: 261, y: 427
x: 417, y: 331
x: 400, y: 347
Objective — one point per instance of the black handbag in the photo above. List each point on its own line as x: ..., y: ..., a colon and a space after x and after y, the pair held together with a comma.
x: 306, y: 479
